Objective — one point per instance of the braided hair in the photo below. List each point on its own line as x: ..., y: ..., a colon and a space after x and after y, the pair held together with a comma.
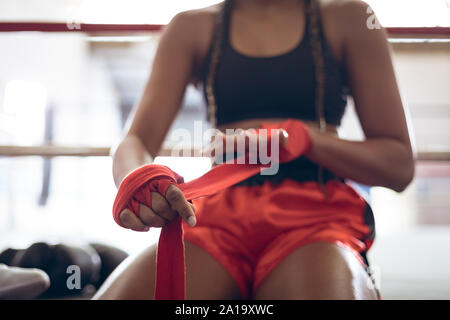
x: 220, y: 35
x: 221, y: 28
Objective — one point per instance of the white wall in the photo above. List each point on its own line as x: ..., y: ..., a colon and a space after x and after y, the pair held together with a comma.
x: 424, y: 78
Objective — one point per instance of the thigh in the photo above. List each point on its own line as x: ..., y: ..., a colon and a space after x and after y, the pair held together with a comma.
x: 135, y: 277
x: 319, y: 270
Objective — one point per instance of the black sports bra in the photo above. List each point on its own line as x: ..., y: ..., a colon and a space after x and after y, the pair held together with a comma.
x: 281, y: 86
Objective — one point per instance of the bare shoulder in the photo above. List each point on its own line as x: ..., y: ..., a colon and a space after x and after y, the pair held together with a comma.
x: 350, y: 16
x: 192, y: 19
x: 195, y: 25
x: 194, y: 28
x: 348, y: 24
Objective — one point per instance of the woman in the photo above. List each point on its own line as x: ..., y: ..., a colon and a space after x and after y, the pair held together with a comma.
x: 267, y: 61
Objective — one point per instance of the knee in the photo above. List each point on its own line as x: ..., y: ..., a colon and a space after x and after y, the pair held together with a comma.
x: 134, y: 279
x: 317, y: 271
x: 327, y: 271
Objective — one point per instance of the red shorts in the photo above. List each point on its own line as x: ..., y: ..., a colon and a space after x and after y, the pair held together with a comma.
x: 250, y: 229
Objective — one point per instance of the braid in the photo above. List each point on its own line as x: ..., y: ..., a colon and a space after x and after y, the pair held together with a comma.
x: 313, y: 10
x: 317, y: 52
x: 220, y: 36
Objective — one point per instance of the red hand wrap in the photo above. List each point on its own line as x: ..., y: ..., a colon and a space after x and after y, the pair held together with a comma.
x: 298, y: 143
x: 136, y: 188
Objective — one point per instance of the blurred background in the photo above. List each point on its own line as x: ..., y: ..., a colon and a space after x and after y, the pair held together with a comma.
x: 71, y: 71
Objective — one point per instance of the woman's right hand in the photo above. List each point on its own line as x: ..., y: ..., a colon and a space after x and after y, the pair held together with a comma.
x: 241, y: 140
x: 164, y: 209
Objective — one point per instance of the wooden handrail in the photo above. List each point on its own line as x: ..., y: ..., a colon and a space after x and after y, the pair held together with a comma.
x: 131, y: 28
x: 75, y: 27
x: 434, y: 156
x: 50, y: 151
x: 53, y: 151
x: 80, y: 151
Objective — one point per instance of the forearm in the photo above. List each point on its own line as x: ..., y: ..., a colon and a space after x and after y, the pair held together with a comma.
x: 129, y: 155
x: 376, y: 162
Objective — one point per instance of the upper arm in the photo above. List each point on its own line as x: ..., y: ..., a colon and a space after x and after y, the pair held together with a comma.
x: 372, y: 80
x: 172, y: 69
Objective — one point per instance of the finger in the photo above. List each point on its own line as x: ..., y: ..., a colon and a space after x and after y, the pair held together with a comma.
x: 129, y: 220
x: 239, y: 141
x: 215, y: 146
x: 179, y: 203
x: 246, y: 144
x: 245, y: 140
x: 284, y: 136
x: 271, y: 138
x: 161, y: 207
x: 150, y: 218
x: 225, y: 147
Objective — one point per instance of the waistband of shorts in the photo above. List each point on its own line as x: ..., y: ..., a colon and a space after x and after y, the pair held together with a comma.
x: 301, y: 170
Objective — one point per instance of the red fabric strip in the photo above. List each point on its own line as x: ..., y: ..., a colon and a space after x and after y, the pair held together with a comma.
x: 137, y: 187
